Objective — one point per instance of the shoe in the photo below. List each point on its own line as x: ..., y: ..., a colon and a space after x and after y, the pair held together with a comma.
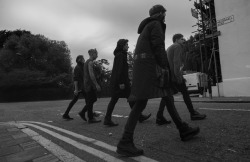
x: 197, y: 116
x: 162, y: 120
x: 94, y: 120
x: 110, y: 123
x: 82, y: 115
x: 128, y: 149
x: 144, y: 117
x: 96, y: 114
x: 187, y: 133
x: 66, y: 116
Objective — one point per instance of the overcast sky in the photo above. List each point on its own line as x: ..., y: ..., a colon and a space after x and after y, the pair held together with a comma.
x: 86, y: 24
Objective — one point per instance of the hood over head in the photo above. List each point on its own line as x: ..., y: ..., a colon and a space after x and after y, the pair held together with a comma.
x: 120, y: 44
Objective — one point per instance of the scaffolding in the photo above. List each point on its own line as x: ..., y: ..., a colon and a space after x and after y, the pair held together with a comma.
x: 204, y: 12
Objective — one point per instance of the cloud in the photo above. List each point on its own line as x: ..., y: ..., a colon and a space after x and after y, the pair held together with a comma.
x: 85, y: 24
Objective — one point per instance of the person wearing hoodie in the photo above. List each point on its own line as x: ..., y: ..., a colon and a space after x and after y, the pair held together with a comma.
x: 120, y: 82
x: 149, y: 56
x: 78, y: 85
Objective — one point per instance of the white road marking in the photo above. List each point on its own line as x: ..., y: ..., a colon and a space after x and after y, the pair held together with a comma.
x: 95, y: 152
x: 56, y: 150
x: 91, y: 140
x: 215, y: 109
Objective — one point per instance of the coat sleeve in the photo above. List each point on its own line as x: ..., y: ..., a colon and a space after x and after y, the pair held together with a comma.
x: 158, y: 44
x: 178, y: 64
x: 77, y: 75
x: 118, y: 69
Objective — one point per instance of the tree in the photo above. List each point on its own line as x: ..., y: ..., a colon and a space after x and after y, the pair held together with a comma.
x: 28, y: 60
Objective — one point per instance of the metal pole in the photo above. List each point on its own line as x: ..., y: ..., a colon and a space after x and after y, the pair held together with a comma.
x: 213, y: 50
x: 204, y: 37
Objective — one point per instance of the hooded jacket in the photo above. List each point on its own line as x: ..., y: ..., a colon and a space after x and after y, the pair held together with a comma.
x: 119, y: 73
x: 145, y: 83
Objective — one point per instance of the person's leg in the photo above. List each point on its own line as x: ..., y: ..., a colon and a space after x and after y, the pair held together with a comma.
x: 141, y: 117
x: 92, y: 100
x: 86, y: 107
x: 186, y: 132
x: 111, y: 106
x: 183, y: 89
x: 160, y: 119
x: 169, y: 101
x: 194, y: 114
x: 126, y: 145
x: 161, y: 108
x: 71, y: 104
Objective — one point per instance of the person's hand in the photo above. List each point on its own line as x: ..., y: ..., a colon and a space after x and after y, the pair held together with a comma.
x: 76, y: 92
x: 122, y: 86
x: 98, y: 88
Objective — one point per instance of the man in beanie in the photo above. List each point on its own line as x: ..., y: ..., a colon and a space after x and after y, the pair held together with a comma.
x: 120, y: 82
x: 149, y: 56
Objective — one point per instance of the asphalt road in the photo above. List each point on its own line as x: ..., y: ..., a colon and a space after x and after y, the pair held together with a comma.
x: 224, y: 136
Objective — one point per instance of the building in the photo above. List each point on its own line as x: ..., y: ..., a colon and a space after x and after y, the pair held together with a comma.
x: 226, y: 23
x: 233, y: 21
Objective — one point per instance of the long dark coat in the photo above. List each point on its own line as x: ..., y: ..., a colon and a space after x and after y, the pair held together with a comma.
x: 120, y: 75
x: 145, y: 84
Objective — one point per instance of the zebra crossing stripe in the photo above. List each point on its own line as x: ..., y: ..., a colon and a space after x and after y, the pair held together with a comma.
x: 56, y: 150
x: 91, y: 140
x: 90, y: 150
x: 217, y: 109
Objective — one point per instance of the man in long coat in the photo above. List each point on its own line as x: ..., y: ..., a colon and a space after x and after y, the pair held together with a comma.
x: 149, y: 56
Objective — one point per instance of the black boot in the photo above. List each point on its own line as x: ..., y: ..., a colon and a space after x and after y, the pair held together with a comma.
x: 197, y: 116
x: 144, y: 117
x: 126, y: 146
x: 187, y: 133
x: 66, y: 116
x: 82, y: 115
x: 161, y: 120
x: 110, y: 123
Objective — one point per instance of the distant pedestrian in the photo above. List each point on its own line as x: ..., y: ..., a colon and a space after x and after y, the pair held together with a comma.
x: 120, y: 82
x: 149, y: 56
x: 175, y: 55
x: 91, y: 87
x: 78, y: 84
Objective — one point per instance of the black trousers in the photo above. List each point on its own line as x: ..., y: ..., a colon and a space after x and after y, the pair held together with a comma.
x: 111, y: 107
x: 183, y: 89
x: 90, y: 99
x: 140, y: 106
x: 73, y: 101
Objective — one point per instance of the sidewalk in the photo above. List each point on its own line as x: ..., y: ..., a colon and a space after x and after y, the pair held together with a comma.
x: 178, y: 98
x: 16, y: 146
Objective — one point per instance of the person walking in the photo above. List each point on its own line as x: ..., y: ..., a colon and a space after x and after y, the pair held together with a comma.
x: 120, y: 82
x: 149, y: 56
x: 91, y: 87
x: 78, y: 85
x: 175, y: 55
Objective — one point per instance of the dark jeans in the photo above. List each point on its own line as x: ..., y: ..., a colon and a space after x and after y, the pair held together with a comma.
x: 183, y: 89
x: 111, y: 107
x: 90, y: 99
x: 73, y: 101
x: 140, y: 106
